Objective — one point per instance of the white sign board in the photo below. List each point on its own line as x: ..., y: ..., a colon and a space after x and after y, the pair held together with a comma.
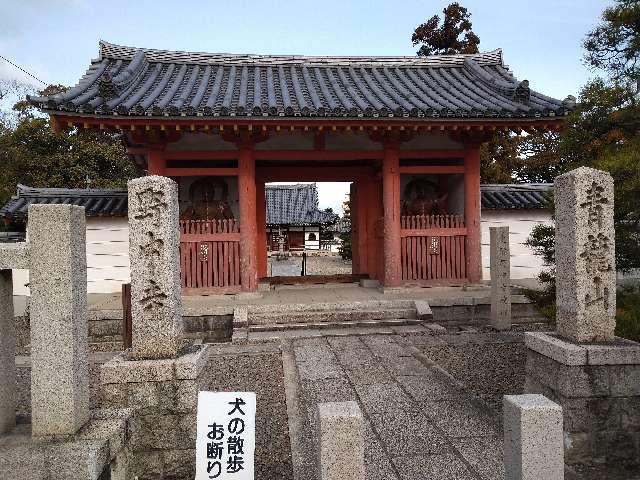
x: 226, y: 438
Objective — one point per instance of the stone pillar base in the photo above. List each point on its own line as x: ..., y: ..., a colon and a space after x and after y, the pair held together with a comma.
x: 598, y: 387
x: 98, y: 450
x: 164, y: 396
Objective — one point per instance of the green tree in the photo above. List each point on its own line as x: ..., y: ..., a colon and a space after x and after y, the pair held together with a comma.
x: 614, y: 45
x: 604, y: 132
x: 454, y: 35
x: 34, y: 154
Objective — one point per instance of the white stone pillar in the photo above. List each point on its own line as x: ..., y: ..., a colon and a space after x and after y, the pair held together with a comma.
x: 533, y: 447
x: 154, y: 252
x: 341, y: 436
x: 585, y: 255
x: 59, y: 343
x: 500, y: 277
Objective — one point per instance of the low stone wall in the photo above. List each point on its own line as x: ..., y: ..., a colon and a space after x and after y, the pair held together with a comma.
x: 600, y: 396
x: 163, y: 397
x: 470, y: 311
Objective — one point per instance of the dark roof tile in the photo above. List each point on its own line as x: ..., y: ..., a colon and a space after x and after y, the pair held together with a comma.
x: 295, y: 205
x: 97, y: 202
x: 137, y: 81
x: 515, y: 196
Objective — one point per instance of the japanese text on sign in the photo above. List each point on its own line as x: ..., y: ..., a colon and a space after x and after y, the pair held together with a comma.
x: 226, y: 435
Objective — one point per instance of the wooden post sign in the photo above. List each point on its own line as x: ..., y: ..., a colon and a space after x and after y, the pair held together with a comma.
x: 226, y: 435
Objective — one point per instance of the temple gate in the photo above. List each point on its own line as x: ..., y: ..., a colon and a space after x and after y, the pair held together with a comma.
x: 406, y: 131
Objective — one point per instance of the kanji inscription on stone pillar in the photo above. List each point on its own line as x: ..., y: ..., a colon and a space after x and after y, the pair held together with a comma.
x: 500, y: 277
x: 585, y: 255
x: 154, y: 244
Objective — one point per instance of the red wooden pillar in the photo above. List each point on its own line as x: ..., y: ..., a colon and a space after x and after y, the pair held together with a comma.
x: 156, y: 163
x: 472, y: 211
x: 261, y: 215
x: 391, y: 208
x: 248, y: 221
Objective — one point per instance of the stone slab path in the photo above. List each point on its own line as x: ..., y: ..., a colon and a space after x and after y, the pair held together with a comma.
x: 421, y: 424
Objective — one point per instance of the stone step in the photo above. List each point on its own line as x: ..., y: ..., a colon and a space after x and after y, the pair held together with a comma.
x: 319, y: 316
x: 389, y: 322
x: 331, y: 306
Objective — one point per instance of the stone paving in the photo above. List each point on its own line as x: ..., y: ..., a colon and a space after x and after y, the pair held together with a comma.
x: 420, y: 423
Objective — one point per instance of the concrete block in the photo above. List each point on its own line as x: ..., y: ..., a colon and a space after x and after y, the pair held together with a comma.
x: 533, y: 439
x: 624, y: 381
x: 154, y: 244
x: 240, y: 316
x: 59, y: 329
x: 423, y: 310
x: 500, y: 278
x: 369, y: 283
x: 240, y: 336
x: 190, y: 366
x: 14, y: 255
x: 78, y: 460
x: 436, y: 329
x: 119, y: 466
x: 556, y: 348
x: 576, y: 381
x: 585, y: 255
x: 623, y: 352
x: 341, y: 438
x: 187, y: 395
x: 121, y: 370
x: 8, y: 394
x: 162, y: 432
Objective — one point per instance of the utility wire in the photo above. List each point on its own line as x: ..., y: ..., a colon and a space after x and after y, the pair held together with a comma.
x: 22, y: 70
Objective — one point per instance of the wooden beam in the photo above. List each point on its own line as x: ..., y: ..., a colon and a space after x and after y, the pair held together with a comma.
x: 202, y: 171
x: 432, y: 169
x: 433, y: 232
x: 311, y: 122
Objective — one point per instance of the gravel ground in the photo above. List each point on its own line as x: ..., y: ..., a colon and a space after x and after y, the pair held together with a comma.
x: 488, y: 365
x: 316, y: 265
x: 259, y: 372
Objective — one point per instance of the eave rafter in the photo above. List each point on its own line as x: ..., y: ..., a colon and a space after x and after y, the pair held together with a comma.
x: 170, y: 128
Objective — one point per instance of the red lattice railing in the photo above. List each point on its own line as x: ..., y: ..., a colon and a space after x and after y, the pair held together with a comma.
x: 210, y: 256
x: 433, y: 248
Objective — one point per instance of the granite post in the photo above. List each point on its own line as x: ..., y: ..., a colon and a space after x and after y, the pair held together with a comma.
x: 342, y: 430
x: 154, y: 251
x: 12, y: 255
x: 533, y: 447
x: 500, y: 278
x: 585, y: 256
x: 59, y: 330
x: 7, y: 354
x: 592, y: 374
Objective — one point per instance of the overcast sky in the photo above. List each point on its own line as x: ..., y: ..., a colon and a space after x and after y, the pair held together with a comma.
x: 55, y: 39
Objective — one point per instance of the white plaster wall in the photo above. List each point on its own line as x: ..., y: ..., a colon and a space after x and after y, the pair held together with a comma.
x: 524, y: 264
x: 108, y: 249
x: 107, y: 257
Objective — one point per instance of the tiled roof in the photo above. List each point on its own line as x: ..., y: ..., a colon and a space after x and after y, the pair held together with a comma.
x: 147, y: 82
x: 295, y: 205
x: 97, y: 202
x: 515, y: 196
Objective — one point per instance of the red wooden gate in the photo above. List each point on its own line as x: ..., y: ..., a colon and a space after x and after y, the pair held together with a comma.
x: 433, y: 249
x: 210, y: 256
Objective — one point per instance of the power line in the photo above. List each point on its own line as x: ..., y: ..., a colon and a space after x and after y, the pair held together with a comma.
x: 22, y: 70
